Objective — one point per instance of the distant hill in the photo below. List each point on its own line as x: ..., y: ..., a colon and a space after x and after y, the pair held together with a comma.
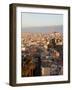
x: 44, y: 29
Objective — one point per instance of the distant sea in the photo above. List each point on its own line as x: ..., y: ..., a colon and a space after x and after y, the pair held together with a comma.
x: 43, y: 29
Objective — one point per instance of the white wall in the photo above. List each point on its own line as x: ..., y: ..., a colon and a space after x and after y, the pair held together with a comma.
x: 4, y: 45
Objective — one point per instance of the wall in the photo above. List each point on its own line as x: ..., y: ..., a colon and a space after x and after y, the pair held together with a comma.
x: 4, y: 45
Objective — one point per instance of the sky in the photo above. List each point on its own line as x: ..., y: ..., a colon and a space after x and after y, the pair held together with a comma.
x: 40, y: 20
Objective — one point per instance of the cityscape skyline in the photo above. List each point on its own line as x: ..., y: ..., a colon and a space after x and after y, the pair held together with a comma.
x: 41, y: 44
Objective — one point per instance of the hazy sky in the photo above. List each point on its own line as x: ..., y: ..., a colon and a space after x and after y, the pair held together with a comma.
x: 37, y: 19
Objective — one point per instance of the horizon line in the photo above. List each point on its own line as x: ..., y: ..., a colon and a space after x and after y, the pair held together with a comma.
x: 43, y: 26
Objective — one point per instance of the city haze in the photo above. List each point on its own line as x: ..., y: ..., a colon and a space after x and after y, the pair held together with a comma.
x: 44, y: 29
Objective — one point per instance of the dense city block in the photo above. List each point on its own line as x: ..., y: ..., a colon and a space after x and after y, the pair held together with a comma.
x: 41, y: 54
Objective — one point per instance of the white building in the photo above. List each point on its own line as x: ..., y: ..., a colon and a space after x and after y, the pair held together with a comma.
x: 45, y: 71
